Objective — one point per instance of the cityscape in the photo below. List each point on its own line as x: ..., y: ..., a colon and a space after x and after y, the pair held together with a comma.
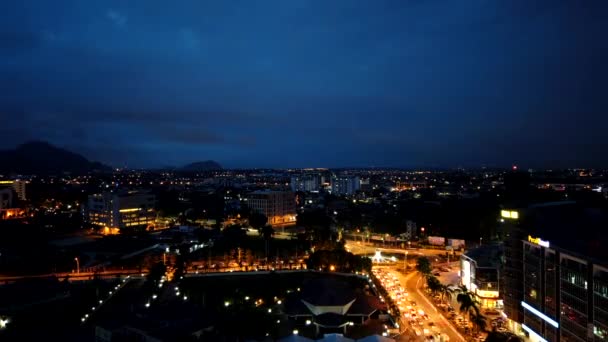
x: 301, y: 171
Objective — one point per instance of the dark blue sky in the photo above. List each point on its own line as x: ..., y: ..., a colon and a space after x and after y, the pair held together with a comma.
x: 297, y: 83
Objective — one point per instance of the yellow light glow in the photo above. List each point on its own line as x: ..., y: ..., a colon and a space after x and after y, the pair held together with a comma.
x: 130, y: 210
x: 511, y: 214
x: 487, y: 294
x: 6, y: 182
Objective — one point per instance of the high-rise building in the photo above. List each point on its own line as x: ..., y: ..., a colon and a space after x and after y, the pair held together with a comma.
x: 278, y: 206
x: 555, y: 274
x: 306, y: 183
x: 345, y: 185
x: 8, y: 206
x: 113, y: 212
x: 17, y: 185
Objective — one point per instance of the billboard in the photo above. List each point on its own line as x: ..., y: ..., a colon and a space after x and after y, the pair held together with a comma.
x: 456, y: 243
x: 465, y: 273
x: 437, y: 240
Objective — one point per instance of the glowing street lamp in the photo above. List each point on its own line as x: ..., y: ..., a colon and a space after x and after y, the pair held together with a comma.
x: 77, y: 265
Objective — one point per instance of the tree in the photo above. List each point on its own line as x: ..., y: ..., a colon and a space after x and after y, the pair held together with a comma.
x: 433, y: 284
x: 446, y: 292
x: 470, y: 307
x: 234, y: 235
x: 258, y: 221
x: 423, y: 265
x: 267, y: 232
x: 479, y: 321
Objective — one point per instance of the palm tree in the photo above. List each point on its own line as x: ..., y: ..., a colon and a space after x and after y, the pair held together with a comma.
x: 479, y: 321
x: 433, y: 284
x: 446, y: 292
x: 468, y: 304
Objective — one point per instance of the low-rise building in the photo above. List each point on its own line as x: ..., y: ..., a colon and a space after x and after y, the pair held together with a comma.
x: 278, y: 206
x: 113, y: 212
x: 479, y: 272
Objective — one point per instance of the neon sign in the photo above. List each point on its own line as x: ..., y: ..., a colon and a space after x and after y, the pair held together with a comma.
x: 538, y: 241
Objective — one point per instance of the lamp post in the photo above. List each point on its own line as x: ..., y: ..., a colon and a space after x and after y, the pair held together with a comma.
x: 480, y: 238
x: 77, y: 265
x: 405, y: 262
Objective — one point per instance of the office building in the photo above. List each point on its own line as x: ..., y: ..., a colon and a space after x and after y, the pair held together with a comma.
x: 345, y: 185
x: 556, y: 272
x: 306, y: 183
x: 480, y: 274
x: 8, y: 206
x: 17, y: 185
x: 113, y: 212
x: 278, y: 206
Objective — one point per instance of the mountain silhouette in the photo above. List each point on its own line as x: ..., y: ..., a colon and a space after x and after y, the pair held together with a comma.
x: 207, y: 165
x: 42, y: 158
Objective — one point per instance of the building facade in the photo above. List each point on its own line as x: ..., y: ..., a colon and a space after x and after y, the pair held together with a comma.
x: 278, y: 206
x: 480, y: 274
x: 305, y: 183
x: 552, y: 293
x: 345, y: 185
x: 119, y: 211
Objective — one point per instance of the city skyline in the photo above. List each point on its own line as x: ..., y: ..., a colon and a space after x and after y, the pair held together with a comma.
x: 309, y: 84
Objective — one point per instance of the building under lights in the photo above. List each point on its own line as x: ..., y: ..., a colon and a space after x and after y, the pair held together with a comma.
x: 278, y: 206
x: 113, y: 212
x: 480, y: 274
x: 306, y: 183
x: 555, y: 272
x: 345, y: 185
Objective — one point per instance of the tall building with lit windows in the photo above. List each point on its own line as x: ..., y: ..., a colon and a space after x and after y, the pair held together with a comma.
x: 305, y: 182
x: 345, y: 185
x: 555, y: 272
x: 113, y: 212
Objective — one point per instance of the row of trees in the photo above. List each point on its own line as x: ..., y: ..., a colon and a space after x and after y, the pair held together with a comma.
x: 469, y: 305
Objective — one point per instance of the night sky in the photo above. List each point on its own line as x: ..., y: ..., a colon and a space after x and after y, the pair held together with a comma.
x: 297, y: 83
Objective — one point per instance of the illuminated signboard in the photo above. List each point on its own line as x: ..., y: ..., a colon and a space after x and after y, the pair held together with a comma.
x: 510, y: 214
x: 538, y: 241
x: 466, y: 274
x: 487, y: 294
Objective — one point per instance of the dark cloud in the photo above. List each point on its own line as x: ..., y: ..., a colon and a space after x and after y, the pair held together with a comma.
x: 309, y: 83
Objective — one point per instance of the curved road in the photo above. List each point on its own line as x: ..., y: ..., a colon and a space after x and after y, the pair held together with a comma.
x: 413, y: 283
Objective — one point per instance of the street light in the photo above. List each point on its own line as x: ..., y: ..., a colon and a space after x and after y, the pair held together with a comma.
x: 480, y: 238
x: 405, y: 262
x: 77, y: 265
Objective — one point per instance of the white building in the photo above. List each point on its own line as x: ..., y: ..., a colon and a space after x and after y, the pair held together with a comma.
x: 345, y: 185
x: 115, y: 211
x: 278, y: 206
x: 307, y: 183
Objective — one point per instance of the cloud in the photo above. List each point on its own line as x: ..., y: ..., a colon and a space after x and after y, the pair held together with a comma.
x: 117, y: 18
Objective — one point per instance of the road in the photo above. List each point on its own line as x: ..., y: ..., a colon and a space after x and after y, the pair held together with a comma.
x: 73, y: 276
x: 362, y: 248
x: 413, y: 284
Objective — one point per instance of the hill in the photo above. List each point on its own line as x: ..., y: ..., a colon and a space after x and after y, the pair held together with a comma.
x: 207, y: 165
x: 39, y: 157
